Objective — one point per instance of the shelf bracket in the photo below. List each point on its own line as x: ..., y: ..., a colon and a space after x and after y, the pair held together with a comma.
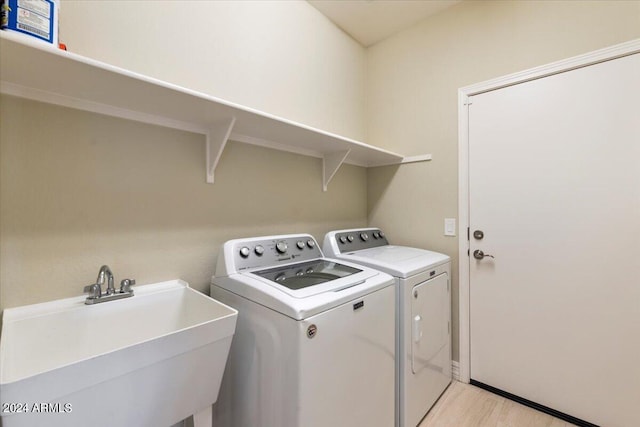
x: 217, y: 138
x: 331, y: 162
x: 416, y: 159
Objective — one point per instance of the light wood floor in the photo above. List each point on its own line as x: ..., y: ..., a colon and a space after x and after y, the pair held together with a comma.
x: 464, y: 405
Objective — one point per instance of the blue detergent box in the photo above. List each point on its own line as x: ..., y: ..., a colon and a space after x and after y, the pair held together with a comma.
x: 36, y: 18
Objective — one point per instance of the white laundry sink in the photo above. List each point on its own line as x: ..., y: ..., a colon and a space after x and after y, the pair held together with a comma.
x: 150, y: 360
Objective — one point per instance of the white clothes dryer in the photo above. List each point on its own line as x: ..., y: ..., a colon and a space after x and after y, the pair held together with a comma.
x: 315, y: 341
x: 423, y: 323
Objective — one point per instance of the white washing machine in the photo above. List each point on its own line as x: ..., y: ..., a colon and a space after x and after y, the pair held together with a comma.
x: 423, y: 296
x: 315, y: 340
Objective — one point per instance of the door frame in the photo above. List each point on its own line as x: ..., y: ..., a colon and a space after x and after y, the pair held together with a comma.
x: 617, y: 51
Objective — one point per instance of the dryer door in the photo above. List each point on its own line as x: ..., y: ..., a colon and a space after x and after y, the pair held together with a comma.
x: 430, y: 315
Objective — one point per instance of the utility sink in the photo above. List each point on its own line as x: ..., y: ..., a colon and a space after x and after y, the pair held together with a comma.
x: 149, y: 360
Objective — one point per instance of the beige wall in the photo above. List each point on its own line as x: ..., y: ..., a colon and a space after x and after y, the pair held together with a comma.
x: 281, y: 57
x: 78, y: 190
x: 412, y: 83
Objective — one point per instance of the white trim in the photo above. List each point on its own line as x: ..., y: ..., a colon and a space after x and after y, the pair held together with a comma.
x: 464, y: 94
x: 463, y: 242
x: 591, y: 58
x: 455, y: 370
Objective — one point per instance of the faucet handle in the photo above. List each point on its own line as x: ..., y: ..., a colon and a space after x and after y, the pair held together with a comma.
x: 94, y: 290
x: 126, y: 284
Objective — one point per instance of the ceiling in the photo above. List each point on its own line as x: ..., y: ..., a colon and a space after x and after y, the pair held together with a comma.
x: 369, y: 21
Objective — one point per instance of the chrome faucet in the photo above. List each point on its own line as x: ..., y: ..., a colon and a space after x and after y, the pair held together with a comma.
x: 95, y: 289
x: 105, y: 270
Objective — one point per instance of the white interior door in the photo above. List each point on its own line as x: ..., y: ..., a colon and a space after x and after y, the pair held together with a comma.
x: 554, y: 184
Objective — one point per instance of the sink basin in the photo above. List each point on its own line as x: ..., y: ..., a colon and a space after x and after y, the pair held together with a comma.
x: 150, y: 360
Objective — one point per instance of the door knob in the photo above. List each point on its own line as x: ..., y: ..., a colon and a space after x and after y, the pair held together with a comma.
x: 478, y: 254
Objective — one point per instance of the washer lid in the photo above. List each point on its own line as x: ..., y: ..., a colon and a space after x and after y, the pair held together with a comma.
x: 305, y: 274
x: 307, y: 301
x: 305, y: 279
x: 399, y: 261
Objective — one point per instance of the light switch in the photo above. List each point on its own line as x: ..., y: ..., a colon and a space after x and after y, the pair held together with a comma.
x: 449, y: 226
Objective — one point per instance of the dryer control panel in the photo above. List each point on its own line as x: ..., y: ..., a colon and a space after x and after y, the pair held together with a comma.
x: 357, y: 239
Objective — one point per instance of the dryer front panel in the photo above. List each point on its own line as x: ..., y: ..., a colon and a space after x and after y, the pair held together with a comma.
x: 430, y: 323
x: 430, y: 344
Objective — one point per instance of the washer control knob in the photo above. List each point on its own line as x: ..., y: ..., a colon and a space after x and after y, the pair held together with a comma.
x: 300, y: 244
x: 281, y: 247
x: 311, y: 243
x: 376, y: 235
x: 244, y: 252
x: 343, y: 239
x: 350, y: 237
x: 259, y: 250
x: 364, y: 237
x: 381, y: 234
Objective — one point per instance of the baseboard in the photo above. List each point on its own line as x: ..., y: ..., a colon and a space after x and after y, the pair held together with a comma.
x: 455, y: 370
